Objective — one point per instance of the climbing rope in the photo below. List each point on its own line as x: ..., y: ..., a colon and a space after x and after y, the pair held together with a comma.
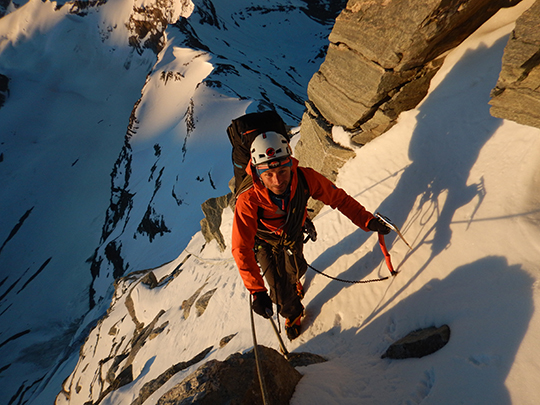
x: 257, y: 356
x: 382, y: 244
x: 210, y: 261
x: 349, y: 281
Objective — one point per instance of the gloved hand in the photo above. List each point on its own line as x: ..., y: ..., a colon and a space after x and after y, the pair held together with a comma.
x: 262, y: 304
x: 309, y: 229
x: 376, y: 225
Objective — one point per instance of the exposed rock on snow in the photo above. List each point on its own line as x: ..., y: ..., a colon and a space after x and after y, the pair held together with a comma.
x: 123, y: 337
x: 152, y: 386
x: 303, y: 359
x: 517, y: 94
x: 213, y: 210
x: 235, y: 381
x: 4, y: 89
x: 419, y: 343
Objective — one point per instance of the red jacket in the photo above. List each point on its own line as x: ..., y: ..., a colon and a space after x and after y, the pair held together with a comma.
x: 245, y: 217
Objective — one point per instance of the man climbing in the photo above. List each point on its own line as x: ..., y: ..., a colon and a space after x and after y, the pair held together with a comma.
x: 268, y: 226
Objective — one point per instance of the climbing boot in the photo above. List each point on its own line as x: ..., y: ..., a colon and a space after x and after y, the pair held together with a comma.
x: 293, y: 327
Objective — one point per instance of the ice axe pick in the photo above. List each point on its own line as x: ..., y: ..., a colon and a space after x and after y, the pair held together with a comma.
x: 392, y: 226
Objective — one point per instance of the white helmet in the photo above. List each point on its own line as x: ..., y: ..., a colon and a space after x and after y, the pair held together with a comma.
x: 269, y: 146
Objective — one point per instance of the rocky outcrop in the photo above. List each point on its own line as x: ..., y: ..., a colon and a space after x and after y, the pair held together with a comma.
x: 235, y: 381
x: 517, y: 94
x: 316, y: 148
x: 4, y: 4
x: 419, y: 343
x: 213, y: 210
x: 122, y: 335
x: 380, y: 61
x: 4, y: 89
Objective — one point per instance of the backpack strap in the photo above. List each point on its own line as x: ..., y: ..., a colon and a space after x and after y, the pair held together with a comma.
x: 245, y: 185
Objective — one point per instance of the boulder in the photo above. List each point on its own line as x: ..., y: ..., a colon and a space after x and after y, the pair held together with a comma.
x: 517, y: 94
x: 235, y: 381
x: 419, y: 343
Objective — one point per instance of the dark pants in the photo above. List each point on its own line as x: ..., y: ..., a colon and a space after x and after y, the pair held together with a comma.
x: 281, y: 273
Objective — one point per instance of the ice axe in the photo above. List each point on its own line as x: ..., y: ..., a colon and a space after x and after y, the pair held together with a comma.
x: 382, y: 243
x: 392, y: 226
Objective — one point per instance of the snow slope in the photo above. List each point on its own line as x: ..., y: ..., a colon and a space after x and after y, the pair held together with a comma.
x: 462, y: 187
x: 463, y: 194
x: 90, y: 118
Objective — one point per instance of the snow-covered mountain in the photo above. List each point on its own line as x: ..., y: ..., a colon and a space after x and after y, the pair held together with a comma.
x: 108, y: 149
x: 84, y: 202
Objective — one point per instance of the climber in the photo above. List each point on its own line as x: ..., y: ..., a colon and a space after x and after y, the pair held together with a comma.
x: 269, y: 221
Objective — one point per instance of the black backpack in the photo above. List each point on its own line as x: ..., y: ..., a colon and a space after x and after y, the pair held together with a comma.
x: 243, y: 131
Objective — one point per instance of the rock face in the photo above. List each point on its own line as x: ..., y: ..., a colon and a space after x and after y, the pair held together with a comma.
x: 218, y: 382
x: 213, y: 210
x: 517, y: 94
x: 4, y: 89
x: 380, y: 61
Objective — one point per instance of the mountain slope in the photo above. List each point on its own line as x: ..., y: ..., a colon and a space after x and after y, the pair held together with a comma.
x: 464, y: 196
x: 85, y: 201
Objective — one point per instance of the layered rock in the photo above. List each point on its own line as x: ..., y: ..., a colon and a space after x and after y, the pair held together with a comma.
x: 380, y: 61
x: 213, y: 210
x: 235, y: 381
x: 517, y: 94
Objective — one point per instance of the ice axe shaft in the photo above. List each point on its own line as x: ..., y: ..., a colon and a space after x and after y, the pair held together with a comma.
x: 382, y: 244
x: 392, y: 226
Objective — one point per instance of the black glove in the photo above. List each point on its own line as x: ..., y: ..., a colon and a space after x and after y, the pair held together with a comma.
x: 376, y: 225
x: 309, y: 229
x: 262, y: 304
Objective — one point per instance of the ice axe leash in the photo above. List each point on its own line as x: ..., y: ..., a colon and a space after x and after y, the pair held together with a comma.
x: 384, y: 249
